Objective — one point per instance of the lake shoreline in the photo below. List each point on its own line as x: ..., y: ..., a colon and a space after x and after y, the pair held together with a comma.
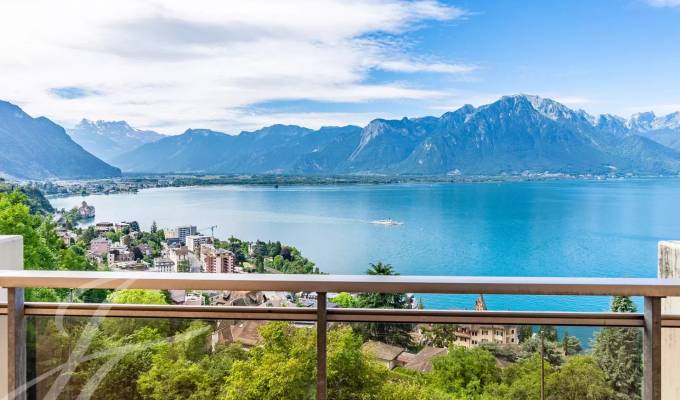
x: 132, y: 184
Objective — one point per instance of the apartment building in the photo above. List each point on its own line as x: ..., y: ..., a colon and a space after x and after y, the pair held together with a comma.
x: 474, y: 335
x: 119, y: 252
x: 100, y: 246
x: 184, y: 231
x: 217, y: 260
x: 194, y: 242
x: 163, y: 264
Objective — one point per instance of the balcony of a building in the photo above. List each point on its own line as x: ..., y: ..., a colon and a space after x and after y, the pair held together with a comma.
x: 38, y: 358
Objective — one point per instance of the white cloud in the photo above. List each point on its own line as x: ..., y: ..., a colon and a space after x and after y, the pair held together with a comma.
x: 664, y: 3
x: 572, y: 100
x: 415, y: 66
x: 179, y: 64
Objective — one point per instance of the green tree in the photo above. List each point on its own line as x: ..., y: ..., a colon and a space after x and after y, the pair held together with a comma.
x: 519, y: 381
x: 260, y: 249
x: 509, y: 353
x: 154, y: 227
x: 286, y: 253
x: 87, y: 235
x: 552, y: 351
x: 186, y: 369
x: 259, y: 264
x: 134, y: 226
x: 464, y: 372
x: 274, y: 249
x: 571, y: 345
x: 410, y: 390
x: 183, y: 266
x: 137, y: 350
x: 70, y: 260
x: 525, y: 332
x: 94, y: 295
x: 345, y: 300
x: 15, y: 219
x: 623, y: 304
x: 439, y: 335
x: 618, y: 352
x: 113, y: 236
x: 137, y: 296
x: 381, y: 269
x: 283, y: 366
x: 396, y: 334
x: 549, y: 333
x: 578, y: 379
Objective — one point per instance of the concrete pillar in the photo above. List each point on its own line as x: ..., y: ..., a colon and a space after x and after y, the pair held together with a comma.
x: 669, y: 267
x: 11, y: 258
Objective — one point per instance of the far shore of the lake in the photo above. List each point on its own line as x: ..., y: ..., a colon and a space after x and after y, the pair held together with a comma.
x: 133, y: 182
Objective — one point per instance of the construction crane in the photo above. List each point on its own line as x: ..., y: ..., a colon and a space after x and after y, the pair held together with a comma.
x: 212, y: 232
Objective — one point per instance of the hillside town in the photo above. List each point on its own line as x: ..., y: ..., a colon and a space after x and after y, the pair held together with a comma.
x: 123, y: 246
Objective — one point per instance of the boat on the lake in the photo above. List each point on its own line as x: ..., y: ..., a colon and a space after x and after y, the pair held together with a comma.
x: 388, y: 221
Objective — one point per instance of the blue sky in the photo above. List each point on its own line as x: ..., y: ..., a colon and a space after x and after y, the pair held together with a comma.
x: 171, y: 65
x: 604, y: 56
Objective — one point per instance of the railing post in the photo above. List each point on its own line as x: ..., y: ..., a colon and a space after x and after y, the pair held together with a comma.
x: 11, y: 258
x: 669, y: 268
x: 321, y: 330
x: 651, y: 346
x: 16, y: 339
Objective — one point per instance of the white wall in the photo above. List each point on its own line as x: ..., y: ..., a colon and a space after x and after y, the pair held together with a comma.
x: 669, y: 267
x: 11, y: 257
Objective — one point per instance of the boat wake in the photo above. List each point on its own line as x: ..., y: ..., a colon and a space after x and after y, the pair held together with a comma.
x: 388, y: 222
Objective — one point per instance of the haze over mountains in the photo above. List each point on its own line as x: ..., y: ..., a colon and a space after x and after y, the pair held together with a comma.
x: 37, y: 148
x: 513, y: 135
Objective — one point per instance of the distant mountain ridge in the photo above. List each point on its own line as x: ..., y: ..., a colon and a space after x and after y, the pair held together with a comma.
x: 108, y: 139
x: 515, y: 134
x: 664, y: 129
x: 37, y: 148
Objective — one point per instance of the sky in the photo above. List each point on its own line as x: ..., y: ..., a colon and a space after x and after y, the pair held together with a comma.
x: 241, y: 65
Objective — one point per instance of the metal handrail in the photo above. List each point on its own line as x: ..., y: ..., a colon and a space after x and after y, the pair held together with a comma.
x: 647, y: 287
x: 600, y: 319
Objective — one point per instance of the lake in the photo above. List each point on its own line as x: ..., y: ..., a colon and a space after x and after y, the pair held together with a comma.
x: 557, y: 228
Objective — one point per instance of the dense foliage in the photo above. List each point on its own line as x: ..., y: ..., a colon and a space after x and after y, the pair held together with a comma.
x: 43, y: 249
x: 275, y: 257
x: 36, y: 201
x: 618, y: 352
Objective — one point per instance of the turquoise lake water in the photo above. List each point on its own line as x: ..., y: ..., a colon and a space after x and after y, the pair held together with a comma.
x: 560, y: 228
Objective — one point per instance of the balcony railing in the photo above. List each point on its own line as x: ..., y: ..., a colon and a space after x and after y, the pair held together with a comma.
x: 651, y: 321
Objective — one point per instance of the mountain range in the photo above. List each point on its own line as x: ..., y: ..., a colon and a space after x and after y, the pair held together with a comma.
x: 515, y: 134
x: 108, y: 139
x: 660, y: 129
x: 37, y: 148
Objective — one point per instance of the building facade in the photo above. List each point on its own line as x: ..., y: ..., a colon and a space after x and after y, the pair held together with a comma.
x: 184, y: 231
x: 194, y: 242
x: 119, y: 252
x: 474, y: 335
x: 100, y: 246
x: 217, y: 260
x: 162, y: 264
